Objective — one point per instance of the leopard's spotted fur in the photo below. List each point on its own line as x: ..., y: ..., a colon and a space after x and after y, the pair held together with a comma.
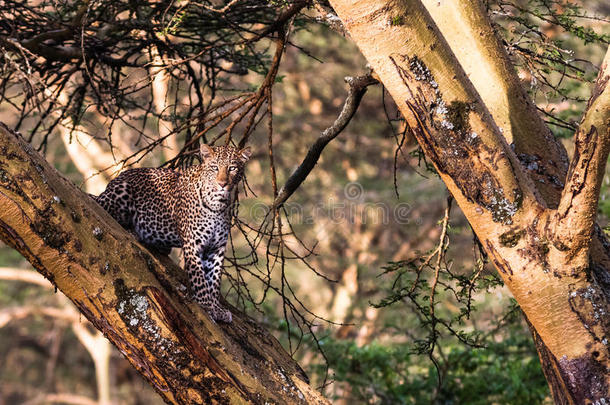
x: 190, y: 208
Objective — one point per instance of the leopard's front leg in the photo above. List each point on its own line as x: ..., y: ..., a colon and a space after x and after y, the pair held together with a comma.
x: 204, y: 267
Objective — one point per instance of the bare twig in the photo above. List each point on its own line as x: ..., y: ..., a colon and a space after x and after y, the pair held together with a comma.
x: 357, y: 88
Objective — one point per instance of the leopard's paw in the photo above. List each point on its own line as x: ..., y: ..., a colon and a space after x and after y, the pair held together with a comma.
x: 220, y: 314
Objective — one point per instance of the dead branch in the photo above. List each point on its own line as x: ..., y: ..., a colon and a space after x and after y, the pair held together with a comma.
x: 357, y: 88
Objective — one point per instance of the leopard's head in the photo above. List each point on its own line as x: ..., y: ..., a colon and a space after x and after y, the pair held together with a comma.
x: 223, y: 168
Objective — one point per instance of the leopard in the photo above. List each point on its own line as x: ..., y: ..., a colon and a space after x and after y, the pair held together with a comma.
x: 189, y: 208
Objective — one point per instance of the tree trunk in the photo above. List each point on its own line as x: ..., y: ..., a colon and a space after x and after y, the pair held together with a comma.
x: 468, y: 31
x: 540, y: 240
x: 135, y: 299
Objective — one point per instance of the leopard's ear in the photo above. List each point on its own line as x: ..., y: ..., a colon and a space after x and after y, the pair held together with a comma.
x: 245, y: 154
x: 206, y: 152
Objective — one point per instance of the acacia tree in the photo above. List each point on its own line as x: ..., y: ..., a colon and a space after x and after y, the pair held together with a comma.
x: 538, y: 232
x: 540, y: 235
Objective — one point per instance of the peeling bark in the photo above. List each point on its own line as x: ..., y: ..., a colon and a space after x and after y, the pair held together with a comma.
x: 137, y: 300
x: 577, y: 211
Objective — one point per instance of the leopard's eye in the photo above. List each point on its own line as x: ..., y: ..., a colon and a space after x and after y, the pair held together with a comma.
x: 214, y: 167
x: 232, y: 168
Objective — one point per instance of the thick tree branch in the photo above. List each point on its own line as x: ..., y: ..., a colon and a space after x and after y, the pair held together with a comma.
x: 577, y: 211
x: 357, y: 89
x: 132, y: 297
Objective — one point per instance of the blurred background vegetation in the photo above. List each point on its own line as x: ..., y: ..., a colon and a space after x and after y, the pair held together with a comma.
x: 372, y: 214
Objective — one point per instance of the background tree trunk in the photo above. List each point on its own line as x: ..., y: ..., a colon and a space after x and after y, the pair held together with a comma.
x: 541, y: 253
x: 136, y: 300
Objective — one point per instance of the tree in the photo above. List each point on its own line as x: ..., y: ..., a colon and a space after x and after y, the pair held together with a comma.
x: 62, y: 62
x: 546, y: 251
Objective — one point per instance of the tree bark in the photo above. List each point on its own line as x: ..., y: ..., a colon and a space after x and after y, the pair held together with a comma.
x: 468, y: 31
x: 137, y: 300
x: 562, y: 295
x: 467, y: 28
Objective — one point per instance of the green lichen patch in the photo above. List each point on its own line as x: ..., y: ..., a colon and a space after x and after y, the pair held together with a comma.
x: 511, y: 238
x: 397, y: 20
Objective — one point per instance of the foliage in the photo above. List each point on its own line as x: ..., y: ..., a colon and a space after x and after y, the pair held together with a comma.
x: 506, y: 372
x: 74, y: 59
x: 546, y: 38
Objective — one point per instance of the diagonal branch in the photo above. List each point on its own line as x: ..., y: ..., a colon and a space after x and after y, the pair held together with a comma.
x: 357, y: 88
x: 577, y: 211
x: 136, y: 300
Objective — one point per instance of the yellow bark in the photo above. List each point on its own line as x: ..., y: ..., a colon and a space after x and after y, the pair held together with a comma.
x: 511, y: 219
x: 468, y: 31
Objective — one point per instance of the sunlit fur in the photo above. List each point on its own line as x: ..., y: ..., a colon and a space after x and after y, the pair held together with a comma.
x: 188, y: 208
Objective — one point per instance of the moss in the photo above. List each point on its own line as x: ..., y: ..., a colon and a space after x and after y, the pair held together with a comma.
x: 397, y: 20
x: 511, y: 238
